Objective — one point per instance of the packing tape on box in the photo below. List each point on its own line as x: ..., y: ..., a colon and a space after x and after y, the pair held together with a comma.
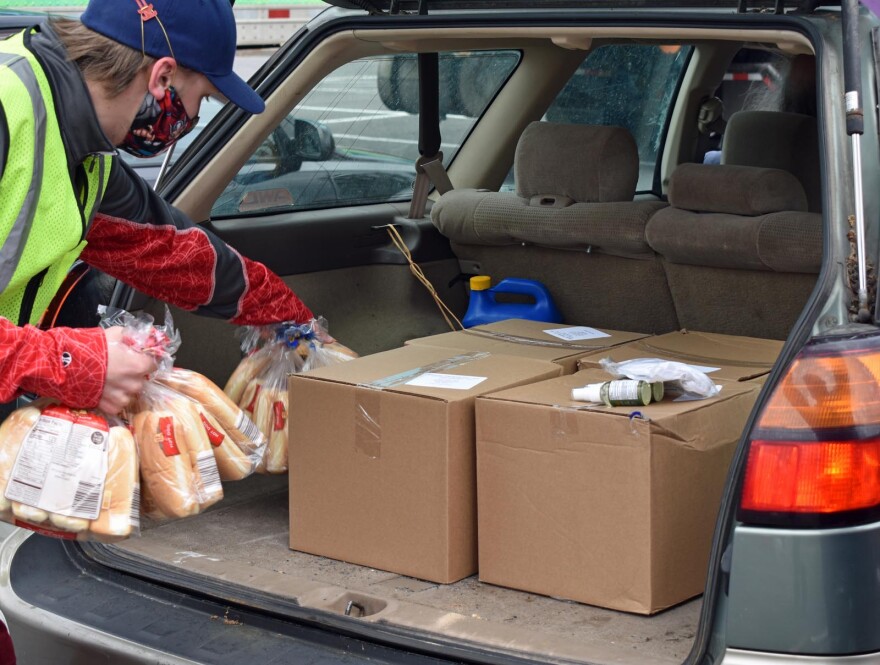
x: 368, y: 400
x: 529, y: 341
x: 368, y: 419
x: 565, y: 424
x: 439, y: 366
x: 701, y: 359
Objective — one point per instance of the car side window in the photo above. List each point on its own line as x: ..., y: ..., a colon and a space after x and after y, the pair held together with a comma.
x: 353, y: 139
x: 624, y: 85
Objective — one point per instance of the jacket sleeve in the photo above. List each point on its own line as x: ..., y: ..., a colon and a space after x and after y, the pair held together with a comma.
x: 65, y: 363
x: 141, y: 240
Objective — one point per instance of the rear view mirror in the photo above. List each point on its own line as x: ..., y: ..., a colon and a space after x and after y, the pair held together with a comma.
x: 313, y: 141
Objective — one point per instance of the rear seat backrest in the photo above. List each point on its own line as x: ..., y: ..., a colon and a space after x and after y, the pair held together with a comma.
x: 572, y: 224
x: 740, y: 250
x: 777, y: 140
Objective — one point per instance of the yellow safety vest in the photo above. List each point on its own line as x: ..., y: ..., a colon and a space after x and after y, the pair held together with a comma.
x: 43, y: 219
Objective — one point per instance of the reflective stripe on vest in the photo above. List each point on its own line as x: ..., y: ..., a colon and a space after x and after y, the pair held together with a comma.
x: 42, y: 218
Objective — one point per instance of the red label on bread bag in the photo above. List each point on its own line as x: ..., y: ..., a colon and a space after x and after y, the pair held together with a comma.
x: 52, y: 533
x: 60, y: 412
x: 166, y: 436
x: 280, y: 415
x: 253, y: 405
x: 215, y: 436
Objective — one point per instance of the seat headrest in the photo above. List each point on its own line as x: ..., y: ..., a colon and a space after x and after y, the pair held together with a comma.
x: 776, y: 140
x: 736, y: 190
x: 586, y: 163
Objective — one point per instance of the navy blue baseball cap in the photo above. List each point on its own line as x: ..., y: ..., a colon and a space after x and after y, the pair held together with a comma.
x: 201, y: 34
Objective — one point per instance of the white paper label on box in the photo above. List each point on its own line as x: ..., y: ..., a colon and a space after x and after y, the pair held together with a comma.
x: 451, y: 381
x: 62, y: 465
x: 577, y: 333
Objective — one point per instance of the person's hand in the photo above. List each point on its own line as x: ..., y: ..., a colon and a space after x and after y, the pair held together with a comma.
x: 127, y: 372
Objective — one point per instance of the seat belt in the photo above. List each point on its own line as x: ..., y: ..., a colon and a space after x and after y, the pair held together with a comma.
x: 429, y: 165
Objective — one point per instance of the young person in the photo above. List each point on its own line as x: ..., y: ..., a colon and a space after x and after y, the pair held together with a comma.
x: 130, y: 74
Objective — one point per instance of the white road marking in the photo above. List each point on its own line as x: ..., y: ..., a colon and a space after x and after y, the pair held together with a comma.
x: 338, y: 109
x: 379, y: 139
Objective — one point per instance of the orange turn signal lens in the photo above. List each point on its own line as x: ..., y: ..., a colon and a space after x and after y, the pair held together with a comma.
x: 826, y: 392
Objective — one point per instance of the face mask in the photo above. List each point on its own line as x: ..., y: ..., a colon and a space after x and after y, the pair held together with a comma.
x: 157, y: 125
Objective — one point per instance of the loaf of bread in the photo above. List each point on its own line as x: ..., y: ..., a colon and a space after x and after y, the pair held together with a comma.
x: 120, y: 505
x: 232, y: 419
x: 271, y: 417
x: 65, y: 523
x: 27, y: 513
x: 328, y: 354
x: 13, y: 432
x: 248, y: 402
x: 167, y: 475
x: 232, y: 463
x: 248, y: 369
x: 117, y: 514
x: 201, y: 453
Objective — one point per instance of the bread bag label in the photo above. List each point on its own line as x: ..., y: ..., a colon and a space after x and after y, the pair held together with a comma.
x: 165, y: 436
x: 62, y: 464
x: 253, y: 405
x: 280, y: 415
x: 215, y: 436
x: 209, y: 473
x: 249, y: 428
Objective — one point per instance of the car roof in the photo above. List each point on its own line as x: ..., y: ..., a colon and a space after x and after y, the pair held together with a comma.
x: 395, y: 6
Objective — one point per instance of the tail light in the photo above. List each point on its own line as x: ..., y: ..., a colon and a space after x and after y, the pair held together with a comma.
x: 814, y: 453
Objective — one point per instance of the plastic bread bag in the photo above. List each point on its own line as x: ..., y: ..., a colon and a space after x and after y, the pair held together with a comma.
x: 259, y: 344
x: 298, y: 348
x: 179, y: 472
x: 267, y: 399
x: 142, y: 333
x: 315, y: 346
x: 251, y: 366
x: 69, y: 473
x: 677, y: 376
x: 237, y: 442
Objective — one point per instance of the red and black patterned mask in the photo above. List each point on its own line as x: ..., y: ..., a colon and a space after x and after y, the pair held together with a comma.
x: 159, y: 123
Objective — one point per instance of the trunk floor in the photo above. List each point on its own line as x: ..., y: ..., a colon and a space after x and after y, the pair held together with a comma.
x: 248, y: 530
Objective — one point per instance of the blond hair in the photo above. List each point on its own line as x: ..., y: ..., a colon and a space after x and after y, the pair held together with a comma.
x: 99, y: 58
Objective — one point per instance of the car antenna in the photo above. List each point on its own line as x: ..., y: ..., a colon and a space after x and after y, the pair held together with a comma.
x: 855, y: 127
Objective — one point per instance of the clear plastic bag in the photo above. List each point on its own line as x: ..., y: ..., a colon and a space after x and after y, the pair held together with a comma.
x: 143, y: 334
x: 238, y: 443
x: 676, y: 376
x: 260, y: 381
x: 179, y: 473
x: 69, y: 473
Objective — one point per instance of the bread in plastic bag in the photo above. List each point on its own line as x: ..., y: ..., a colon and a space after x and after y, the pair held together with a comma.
x: 179, y: 473
x: 69, y: 473
x: 242, y: 447
x: 296, y: 348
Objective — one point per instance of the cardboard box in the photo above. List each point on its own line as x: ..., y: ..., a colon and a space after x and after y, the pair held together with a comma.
x: 382, y: 472
x: 530, y: 339
x: 588, y: 503
x: 732, y: 357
